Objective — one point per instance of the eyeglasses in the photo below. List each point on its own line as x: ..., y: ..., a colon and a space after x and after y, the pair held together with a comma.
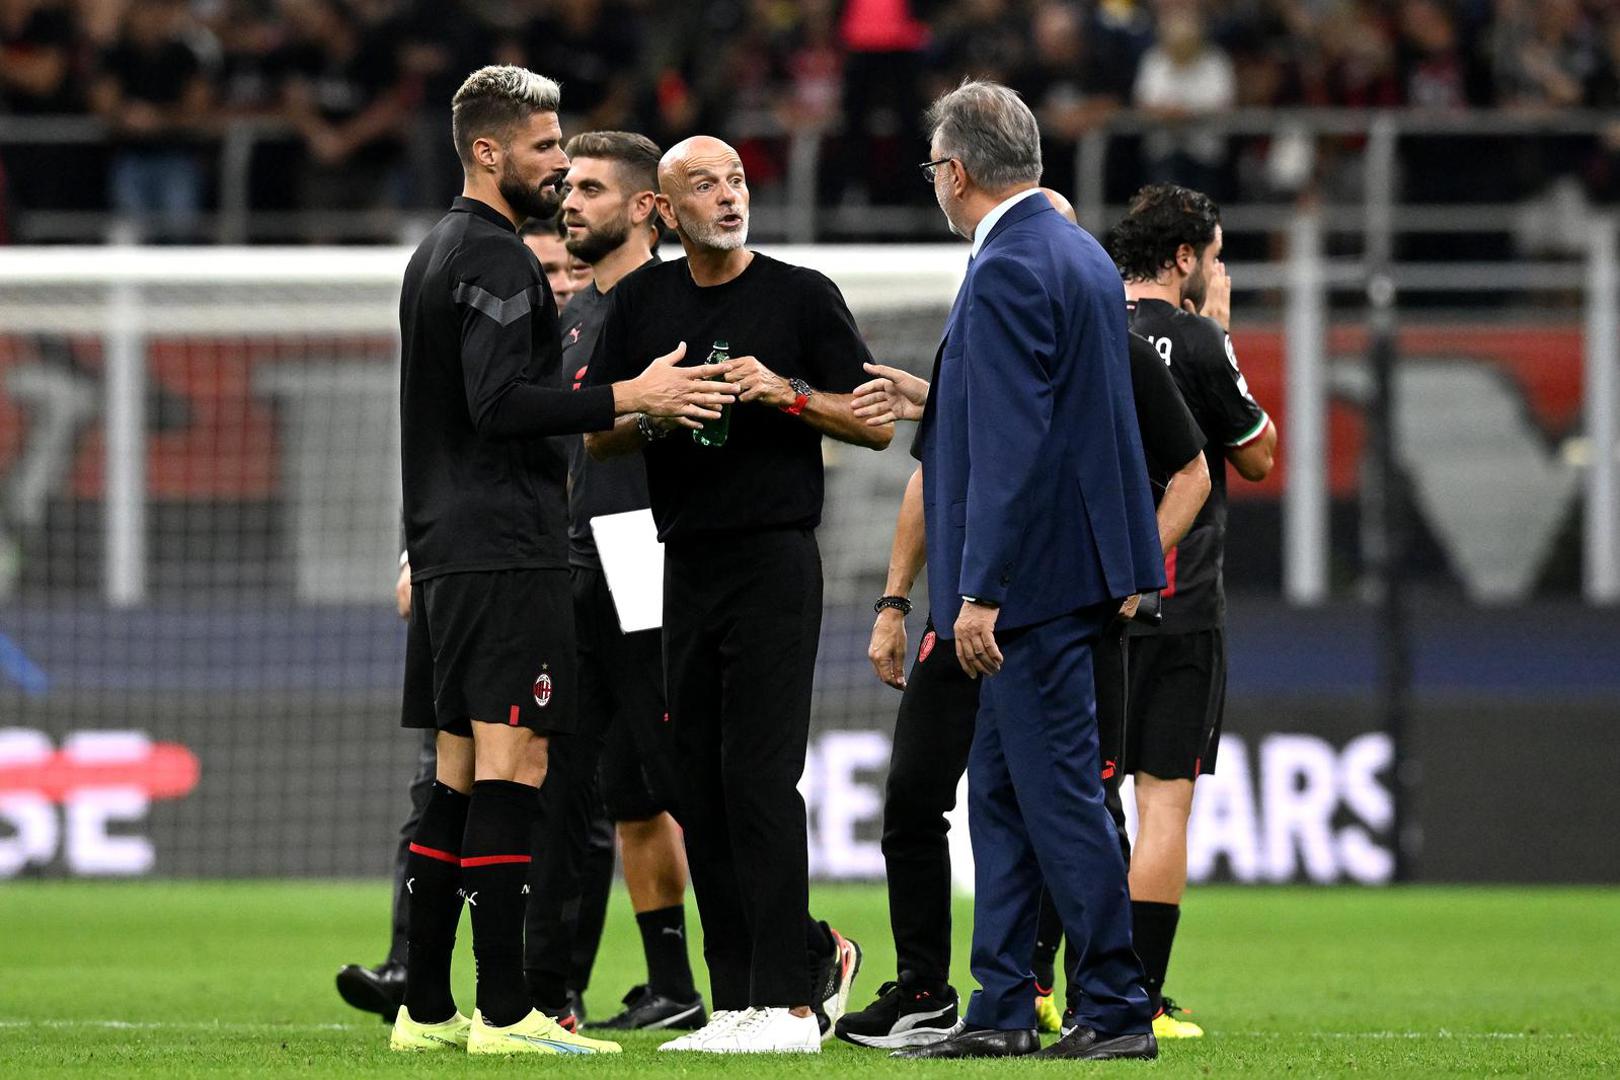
x: 928, y: 167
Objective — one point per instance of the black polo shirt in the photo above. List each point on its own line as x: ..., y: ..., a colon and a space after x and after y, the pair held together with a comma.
x: 617, y: 485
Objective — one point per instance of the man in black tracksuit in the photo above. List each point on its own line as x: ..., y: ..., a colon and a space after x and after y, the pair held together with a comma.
x: 490, y: 656
x: 737, y: 514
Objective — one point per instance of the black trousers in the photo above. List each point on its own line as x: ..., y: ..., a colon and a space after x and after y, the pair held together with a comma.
x: 932, y: 736
x: 427, y: 766
x: 742, y: 616
x: 572, y: 873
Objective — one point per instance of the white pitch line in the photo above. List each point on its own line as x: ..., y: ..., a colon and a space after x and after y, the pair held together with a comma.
x: 161, y: 1025
x: 268, y: 1028
x: 1442, y: 1034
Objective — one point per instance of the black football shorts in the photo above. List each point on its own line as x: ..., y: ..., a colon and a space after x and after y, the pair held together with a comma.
x: 496, y: 647
x: 1176, y: 704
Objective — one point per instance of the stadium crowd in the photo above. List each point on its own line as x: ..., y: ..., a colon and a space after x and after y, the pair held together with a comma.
x: 352, y: 88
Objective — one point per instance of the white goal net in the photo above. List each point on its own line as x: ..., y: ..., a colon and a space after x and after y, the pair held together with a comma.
x: 199, y: 492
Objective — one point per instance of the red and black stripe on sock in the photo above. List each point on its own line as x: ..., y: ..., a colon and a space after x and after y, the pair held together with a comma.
x: 433, y: 900
x: 495, y: 857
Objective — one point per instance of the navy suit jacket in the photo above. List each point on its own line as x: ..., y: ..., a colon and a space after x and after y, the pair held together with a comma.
x: 1035, y: 490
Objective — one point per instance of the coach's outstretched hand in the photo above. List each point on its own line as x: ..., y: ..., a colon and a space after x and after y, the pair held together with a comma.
x: 687, y: 395
x: 893, y: 395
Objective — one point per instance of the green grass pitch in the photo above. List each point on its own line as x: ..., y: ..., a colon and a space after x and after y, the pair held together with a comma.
x: 187, y: 979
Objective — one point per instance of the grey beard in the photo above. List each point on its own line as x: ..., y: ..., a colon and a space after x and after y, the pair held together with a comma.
x: 711, y: 236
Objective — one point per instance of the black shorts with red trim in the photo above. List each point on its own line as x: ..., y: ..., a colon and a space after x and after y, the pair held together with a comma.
x: 493, y: 646
x: 1176, y: 704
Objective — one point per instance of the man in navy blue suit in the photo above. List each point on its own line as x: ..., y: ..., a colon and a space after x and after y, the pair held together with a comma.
x: 1039, y: 523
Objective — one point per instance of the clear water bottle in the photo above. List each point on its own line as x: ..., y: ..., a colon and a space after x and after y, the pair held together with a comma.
x: 714, y: 432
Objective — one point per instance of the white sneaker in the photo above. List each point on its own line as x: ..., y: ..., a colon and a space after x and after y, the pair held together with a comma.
x: 770, y: 1031
x: 720, y: 1023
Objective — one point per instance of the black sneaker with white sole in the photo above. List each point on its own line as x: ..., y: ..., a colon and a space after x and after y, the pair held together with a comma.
x: 903, y: 1015
x: 645, y: 1010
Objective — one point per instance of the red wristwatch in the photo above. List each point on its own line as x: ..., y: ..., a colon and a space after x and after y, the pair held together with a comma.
x: 802, y: 392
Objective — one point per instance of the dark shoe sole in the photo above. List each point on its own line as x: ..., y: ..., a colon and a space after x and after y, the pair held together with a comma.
x: 364, y: 995
x: 904, y: 1040
x: 1124, y: 1048
x: 688, y: 1019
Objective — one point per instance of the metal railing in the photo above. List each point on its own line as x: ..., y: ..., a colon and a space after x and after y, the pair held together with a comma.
x: 791, y: 212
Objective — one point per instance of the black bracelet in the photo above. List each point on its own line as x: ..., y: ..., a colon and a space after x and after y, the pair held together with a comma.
x: 649, y: 431
x: 899, y: 603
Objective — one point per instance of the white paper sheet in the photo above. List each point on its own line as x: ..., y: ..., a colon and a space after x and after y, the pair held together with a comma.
x: 633, y: 560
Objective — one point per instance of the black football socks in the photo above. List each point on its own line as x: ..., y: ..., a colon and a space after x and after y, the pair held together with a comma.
x: 432, y: 884
x: 495, y: 857
x: 1153, y: 928
x: 663, y: 939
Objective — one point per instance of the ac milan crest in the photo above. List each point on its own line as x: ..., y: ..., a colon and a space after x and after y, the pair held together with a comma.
x: 926, y: 647
x: 542, y: 690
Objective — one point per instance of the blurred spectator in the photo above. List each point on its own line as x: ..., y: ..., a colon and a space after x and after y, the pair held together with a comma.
x: 247, y: 32
x: 981, y: 39
x: 1183, y: 79
x: 1061, y: 79
x: 1121, y: 32
x: 1434, y: 72
x: 1603, y: 92
x: 883, y: 42
x: 593, y: 48
x: 1542, y: 54
x: 38, y: 53
x: 1354, y: 63
x: 153, y: 90
x: 342, y: 89
x: 355, y: 81
x: 814, y: 67
x: 37, y: 44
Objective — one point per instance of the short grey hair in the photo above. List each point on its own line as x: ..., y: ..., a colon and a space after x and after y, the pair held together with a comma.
x: 494, y: 100
x: 989, y: 129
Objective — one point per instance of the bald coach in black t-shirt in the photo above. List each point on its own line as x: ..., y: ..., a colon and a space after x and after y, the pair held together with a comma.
x: 742, y: 583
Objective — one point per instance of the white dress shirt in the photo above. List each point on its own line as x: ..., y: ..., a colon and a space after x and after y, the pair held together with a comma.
x: 989, y: 220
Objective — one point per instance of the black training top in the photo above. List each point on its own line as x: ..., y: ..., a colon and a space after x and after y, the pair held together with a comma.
x: 768, y: 475
x: 595, y: 487
x: 1199, y: 355
x: 483, y: 486
x: 1170, y: 435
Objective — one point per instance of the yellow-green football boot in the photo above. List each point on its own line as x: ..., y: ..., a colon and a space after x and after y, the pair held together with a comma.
x: 536, y: 1033
x: 411, y: 1036
x: 1048, y: 1018
x: 1167, y: 1025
